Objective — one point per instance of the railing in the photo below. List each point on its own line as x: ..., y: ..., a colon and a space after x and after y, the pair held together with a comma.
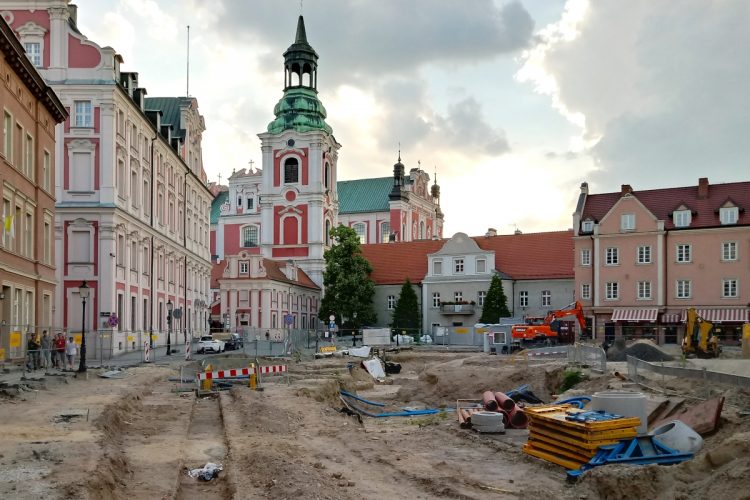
x: 457, y: 308
x: 580, y: 354
x: 636, y: 365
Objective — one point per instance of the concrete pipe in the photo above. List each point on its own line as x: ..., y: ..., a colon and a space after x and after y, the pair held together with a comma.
x: 488, y: 400
x: 628, y: 404
x: 678, y: 436
x: 504, y: 401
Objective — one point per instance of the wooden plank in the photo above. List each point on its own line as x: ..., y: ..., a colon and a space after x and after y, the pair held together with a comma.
x: 654, y: 406
x: 551, y: 457
x: 665, y: 415
x: 702, y: 418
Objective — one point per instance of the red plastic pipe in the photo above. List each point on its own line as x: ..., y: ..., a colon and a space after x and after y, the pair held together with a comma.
x: 489, y: 402
x: 504, y: 401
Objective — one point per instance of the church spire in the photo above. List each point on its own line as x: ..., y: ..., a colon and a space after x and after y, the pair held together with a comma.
x: 301, y: 61
x: 301, y: 33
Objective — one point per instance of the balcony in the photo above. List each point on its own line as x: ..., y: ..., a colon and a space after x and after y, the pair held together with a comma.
x: 452, y: 309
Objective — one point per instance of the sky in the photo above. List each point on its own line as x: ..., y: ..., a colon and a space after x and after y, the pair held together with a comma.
x: 512, y: 103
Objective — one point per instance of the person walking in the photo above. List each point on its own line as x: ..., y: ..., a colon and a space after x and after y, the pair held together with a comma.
x: 46, y: 351
x: 59, y: 344
x: 71, y: 351
x: 32, y: 351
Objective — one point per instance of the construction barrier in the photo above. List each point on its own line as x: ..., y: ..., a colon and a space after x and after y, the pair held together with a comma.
x: 187, y: 352
x: 146, y: 351
x: 581, y: 354
x: 240, y: 372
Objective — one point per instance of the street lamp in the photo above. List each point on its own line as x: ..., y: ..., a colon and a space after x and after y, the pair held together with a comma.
x: 83, y: 291
x: 169, y: 327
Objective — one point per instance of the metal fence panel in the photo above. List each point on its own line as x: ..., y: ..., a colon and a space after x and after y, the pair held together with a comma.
x: 635, y: 365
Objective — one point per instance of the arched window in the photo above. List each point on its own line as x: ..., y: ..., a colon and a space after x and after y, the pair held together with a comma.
x: 359, y: 228
x: 327, y: 175
x: 291, y: 171
x: 250, y: 236
x: 421, y: 230
x: 328, y: 233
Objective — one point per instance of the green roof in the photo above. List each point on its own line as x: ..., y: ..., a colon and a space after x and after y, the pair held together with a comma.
x: 364, y: 195
x: 170, y: 110
x: 300, y: 110
x: 222, y: 197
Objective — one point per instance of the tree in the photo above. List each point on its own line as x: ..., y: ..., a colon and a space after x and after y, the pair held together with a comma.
x: 495, y: 303
x: 406, y: 313
x: 348, y: 287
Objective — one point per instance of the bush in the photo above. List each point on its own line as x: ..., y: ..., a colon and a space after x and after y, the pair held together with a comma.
x: 571, y: 378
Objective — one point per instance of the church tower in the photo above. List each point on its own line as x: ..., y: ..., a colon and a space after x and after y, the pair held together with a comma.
x: 298, y: 199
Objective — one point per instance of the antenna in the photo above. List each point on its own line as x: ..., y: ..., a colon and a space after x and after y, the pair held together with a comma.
x: 187, y: 89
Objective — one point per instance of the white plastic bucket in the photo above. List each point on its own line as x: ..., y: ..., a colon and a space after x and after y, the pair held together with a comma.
x: 628, y: 404
x: 678, y: 436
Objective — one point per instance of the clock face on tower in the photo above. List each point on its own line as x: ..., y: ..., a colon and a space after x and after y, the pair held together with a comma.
x: 290, y: 143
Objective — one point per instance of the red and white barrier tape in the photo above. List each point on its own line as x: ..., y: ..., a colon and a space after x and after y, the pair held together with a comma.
x: 239, y: 372
x: 187, y: 351
x: 146, y: 351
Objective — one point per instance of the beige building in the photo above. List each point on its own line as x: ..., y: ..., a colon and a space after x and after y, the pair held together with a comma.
x: 27, y: 261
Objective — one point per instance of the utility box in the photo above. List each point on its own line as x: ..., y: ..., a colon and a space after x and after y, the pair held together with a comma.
x: 376, y: 336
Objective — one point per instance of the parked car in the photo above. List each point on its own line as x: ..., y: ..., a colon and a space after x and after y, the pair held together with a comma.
x: 235, y: 341
x: 209, y: 344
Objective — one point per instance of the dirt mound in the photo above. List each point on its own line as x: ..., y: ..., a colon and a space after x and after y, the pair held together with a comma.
x: 442, y: 383
x: 721, y: 472
x: 641, y: 349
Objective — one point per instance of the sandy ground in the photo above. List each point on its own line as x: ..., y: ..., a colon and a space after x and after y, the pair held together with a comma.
x: 136, y: 437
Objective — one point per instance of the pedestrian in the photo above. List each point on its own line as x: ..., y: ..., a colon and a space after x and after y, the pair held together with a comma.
x: 31, y: 350
x: 71, y: 350
x: 46, y: 350
x: 59, y: 344
x: 268, y: 335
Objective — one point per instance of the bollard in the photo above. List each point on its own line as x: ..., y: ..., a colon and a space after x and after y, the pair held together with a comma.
x: 252, y: 379
x: 207, y: 385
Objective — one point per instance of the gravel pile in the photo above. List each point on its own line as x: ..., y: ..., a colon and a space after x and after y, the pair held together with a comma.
x: 642, y: 349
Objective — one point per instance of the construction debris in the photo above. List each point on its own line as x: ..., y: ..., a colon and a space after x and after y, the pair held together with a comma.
x: 703, y: 418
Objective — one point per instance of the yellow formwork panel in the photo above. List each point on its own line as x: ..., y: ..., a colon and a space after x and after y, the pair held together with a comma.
x: 607, y: 435
x: 556, y: 414
x: 551, y: 457
x: 611, y: 437
x: 563, y: 452
x: 584, y: 449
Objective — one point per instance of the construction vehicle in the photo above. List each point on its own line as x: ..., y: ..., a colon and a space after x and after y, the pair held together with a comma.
x: 699, y: 339
x: 534, y: 332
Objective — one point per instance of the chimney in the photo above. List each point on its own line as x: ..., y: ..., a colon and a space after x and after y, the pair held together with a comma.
x: 517, y: 231
x: 625, y: 189
x: 584, y: 188
x: 703, y: 188
x: 491, y: 232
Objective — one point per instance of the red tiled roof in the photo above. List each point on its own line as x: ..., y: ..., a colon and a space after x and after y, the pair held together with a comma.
x: 662, y: 202
x: 273, y: 272
x: 520, y: 256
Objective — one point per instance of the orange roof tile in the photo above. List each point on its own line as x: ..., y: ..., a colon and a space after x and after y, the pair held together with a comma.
x: 521, y: 256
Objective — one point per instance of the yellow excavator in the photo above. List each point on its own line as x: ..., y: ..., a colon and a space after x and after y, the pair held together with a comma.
x: 699, y: 338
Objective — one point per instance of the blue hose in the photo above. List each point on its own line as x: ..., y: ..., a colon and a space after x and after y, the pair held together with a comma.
x: 403, y: 413
x: 581, y: 401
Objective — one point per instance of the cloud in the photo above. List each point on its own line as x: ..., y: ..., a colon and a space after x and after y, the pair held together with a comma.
x: 659, y: 86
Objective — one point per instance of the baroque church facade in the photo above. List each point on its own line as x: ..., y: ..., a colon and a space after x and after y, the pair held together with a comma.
x: 280, y: 216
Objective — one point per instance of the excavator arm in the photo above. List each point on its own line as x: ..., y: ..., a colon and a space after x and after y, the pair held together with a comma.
x: 574, y: 309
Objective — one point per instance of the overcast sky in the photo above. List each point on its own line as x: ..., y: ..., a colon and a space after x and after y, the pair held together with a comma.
x: 514, y: 103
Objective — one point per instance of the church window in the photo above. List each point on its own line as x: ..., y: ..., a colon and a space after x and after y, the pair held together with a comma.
x: 291, y: 171
x: 359, y: 228
x: 385, y: 232
x: 421, y: 230
x: 327, y: 175
x: 250, y: 236
x: 249, y: 203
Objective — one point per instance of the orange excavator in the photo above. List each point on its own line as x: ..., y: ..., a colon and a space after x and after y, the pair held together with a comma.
x: 536, y: 333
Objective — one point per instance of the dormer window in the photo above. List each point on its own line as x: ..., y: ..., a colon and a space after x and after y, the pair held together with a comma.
x: 627, y: 222
x: 682, y: 218
x: 729, y: 215
x: 587, y: 226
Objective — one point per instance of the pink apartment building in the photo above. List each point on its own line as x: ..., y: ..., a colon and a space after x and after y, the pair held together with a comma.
x: 642, y: 258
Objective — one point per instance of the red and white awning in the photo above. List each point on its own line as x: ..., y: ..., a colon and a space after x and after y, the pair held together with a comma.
x: 625, y: 314
x: 720, y: 315
x: 671, y: 318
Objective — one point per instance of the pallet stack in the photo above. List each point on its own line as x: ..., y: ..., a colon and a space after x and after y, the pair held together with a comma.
x: 570, y: 437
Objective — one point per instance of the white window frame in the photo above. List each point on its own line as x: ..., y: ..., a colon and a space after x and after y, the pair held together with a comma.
x: 361, y: 229
x: 523, y: 298
x: 481, y: 297
x: 683, y: 289
x: 643, y: 290
x: 643, y: 254
x: 437, y: 267
x: 385, y: 232
x: 458, y: 266
x: 83, y: 114
x: 612, y: 290
x: 481, y: 266
x: 546, y: 298
x: 8, y: 127
x: 586, y: 291
x: 586, y: 257
x: 627, y: 222
x: 729, y: 288
x: 612, y: 256
x: 458, y: 296
x: 729, y: 215
x: 728, y: 251
x: 244, y: 267
x: 435, y: 300
x: 35, y: 56
x: 682, y: 218
x: 683, y: 253
x: 587, y: 226
x: 391, y: 302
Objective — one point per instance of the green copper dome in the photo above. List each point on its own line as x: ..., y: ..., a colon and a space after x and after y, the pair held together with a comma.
x: 299, y: 110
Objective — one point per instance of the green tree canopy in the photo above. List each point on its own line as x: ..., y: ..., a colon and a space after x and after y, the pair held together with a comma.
x: 495, y: 303
x: 348, y: 287
x: 406, y: 313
